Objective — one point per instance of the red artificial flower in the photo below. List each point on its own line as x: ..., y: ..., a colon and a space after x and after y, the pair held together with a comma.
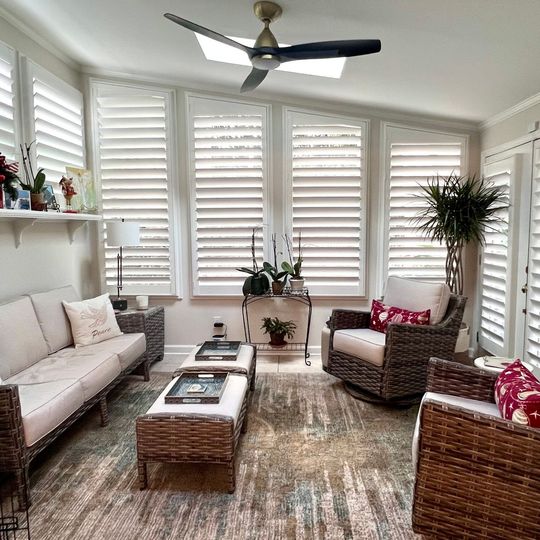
x: 2, y: 177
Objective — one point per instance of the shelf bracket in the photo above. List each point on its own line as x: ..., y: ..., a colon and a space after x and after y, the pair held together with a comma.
x: 19, y: 226
x: 72, y: 227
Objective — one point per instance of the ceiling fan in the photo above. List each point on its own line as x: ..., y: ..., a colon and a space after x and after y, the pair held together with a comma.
x: 266, y: 54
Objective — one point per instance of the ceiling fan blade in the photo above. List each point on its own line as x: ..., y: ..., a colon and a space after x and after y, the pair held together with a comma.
x: 206, y: 32
x: 328, y: 49
x: 253, y: 80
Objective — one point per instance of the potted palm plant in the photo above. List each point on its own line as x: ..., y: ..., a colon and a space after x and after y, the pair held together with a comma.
x: 459, y: 211
x: 278, y: 330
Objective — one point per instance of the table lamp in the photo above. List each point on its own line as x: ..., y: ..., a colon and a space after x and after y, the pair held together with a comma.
x: 121, y: 234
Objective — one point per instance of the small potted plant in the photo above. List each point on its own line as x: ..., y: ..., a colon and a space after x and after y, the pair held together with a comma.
x: 278, y: 330
x: 279, y: 279
x: 35, y: 183
x: 257, y: 281
x: 292, y: 267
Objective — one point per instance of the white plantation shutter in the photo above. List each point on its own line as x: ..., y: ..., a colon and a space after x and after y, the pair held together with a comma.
x: 532, y: 332
x: 57, y: 112
x: 133, y: 161
x: 326, y: 175
x: 228, y: 184
x: 412, y: 158
x: 8, y: 138
x: 495, y: 279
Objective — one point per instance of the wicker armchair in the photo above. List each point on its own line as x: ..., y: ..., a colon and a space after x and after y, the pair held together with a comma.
x: 408, y: 348
x: 477, y: 476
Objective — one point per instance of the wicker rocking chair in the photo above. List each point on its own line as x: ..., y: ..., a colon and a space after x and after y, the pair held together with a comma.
x: 400, y: 378
x: 477, y: 475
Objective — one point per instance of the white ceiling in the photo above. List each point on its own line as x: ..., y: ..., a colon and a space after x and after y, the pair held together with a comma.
x: 463, y: 59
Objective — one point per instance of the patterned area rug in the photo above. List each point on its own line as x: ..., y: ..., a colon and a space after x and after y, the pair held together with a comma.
x: 314, y: 464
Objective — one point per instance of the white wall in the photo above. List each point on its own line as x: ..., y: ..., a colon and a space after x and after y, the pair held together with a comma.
x: 188, y: 321
x: 45, y: 259
x: 511, y: 126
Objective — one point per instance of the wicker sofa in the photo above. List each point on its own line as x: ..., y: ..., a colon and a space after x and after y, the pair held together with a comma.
x: 477, y: 475
x: 45, y: 382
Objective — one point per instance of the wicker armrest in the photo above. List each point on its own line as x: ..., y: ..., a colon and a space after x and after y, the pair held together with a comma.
x: 12, y: 444
x: 348, y: 318
x: 456, y: 379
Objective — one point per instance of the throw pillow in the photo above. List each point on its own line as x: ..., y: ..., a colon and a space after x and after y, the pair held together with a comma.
x: 92, y: 320
x: 382, y: 315
x: 517, y: 394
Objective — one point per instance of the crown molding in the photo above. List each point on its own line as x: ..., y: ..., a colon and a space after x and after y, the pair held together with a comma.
x: 332, y: 107
x: 512, y: 111
x: 40, y: 40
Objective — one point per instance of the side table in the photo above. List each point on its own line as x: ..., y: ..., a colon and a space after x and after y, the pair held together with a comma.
x: 150, y: 322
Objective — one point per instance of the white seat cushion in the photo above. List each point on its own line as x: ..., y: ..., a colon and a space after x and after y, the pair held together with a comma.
x: 52, y: 316
x: 22, y: 343
x: 128, y: 347
x: 94, y: 371
x: 418, y: 296
x: 45, y: 405
x: 364, y: 343
x: 229, y: 406
x: 243, y: 360
x: 483, y: 407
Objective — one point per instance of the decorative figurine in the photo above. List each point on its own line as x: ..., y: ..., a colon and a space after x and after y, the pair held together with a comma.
x: 68, y: 191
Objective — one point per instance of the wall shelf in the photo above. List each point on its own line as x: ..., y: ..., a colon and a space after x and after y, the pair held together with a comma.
x: 24, y: 219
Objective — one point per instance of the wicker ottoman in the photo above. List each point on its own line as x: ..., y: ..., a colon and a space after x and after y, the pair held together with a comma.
x: 245, y: 363
x: 193, y: 433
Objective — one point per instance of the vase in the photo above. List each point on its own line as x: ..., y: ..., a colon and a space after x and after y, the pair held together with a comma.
x: 277, y: 340
x: 297, y: 284
x: 277, y: 287
x: 37, y: 201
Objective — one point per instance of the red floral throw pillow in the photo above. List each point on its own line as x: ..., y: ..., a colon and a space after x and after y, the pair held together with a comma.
x: 517, y: 394
x: 382, y: 316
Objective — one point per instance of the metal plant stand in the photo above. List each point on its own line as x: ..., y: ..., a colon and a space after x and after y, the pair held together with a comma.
x: 291, y: 348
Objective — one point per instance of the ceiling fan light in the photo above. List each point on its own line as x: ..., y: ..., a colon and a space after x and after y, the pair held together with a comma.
x: 265, y: 61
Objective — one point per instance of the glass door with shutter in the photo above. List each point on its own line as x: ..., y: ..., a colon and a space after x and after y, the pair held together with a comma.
x: 532, y: 289
x: 504, y: 256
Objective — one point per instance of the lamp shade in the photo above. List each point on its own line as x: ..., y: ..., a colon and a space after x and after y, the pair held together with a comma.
x: 123, y: 233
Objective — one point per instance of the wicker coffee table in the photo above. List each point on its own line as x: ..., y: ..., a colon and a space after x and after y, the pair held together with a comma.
x: 245, y: 363
x: 194, y: 432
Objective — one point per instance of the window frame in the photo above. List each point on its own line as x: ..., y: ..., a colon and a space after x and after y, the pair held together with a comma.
x: 28, y: 69
x: 384, y: 189
x: 268, y: 203
x: 173, y: 181
x: 287, y: 185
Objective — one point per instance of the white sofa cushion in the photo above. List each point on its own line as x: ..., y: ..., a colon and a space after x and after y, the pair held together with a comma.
x: 44, y: 406
x: 364, y: 343
x: 128, y: 347
x: 22, y: 343
x: 474, y: 405
x: 52, y: 316
x: 94, y: 371
x: 243, y: 360
x: 418, y: 296
x: 229, y: 405
x: 92, y: 320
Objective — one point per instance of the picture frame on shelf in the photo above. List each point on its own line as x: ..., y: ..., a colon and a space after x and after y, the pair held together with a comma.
x: 85, y: 200
x: 21, y: 203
